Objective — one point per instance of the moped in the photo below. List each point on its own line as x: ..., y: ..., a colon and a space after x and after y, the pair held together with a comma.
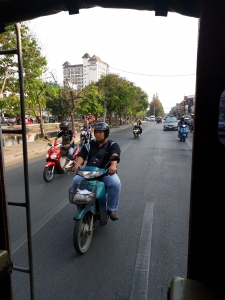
x: 136, y: 132
x: 84, y: 137
x: 55, y: 160
x: 182, y: 132
x: 90, y: 197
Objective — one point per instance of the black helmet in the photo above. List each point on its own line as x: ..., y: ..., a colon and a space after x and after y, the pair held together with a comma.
x: 182, y: 118
x: 64, y: 125
x: 102, y: 126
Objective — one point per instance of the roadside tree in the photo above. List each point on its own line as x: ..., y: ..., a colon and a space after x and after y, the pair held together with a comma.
x: 34, y: 66
x: 156, y: 107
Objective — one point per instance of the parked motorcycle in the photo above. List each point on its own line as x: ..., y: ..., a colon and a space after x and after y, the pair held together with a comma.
x: 84, y: 137
x: 136, y: 132
x: 55, y: 160
x: 182, y: 132
x: 90, y: 197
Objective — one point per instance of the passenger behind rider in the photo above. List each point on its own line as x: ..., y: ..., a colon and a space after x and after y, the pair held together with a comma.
x: 87, y: 127
x: 89, y: 152
x: 68, y: 139
x: 138, y: 121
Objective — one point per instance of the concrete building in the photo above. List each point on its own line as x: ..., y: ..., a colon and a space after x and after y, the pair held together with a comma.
x: 185, y: 107
x: 83, y: 74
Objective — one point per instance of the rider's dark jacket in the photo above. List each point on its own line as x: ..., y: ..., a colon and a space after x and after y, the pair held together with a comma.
x: 86, y: 127
x: 182, y: 123
x: 91, y: 149
x: 66, y: 137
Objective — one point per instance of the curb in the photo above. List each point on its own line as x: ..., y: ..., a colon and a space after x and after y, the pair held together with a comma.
x: 45, y: 148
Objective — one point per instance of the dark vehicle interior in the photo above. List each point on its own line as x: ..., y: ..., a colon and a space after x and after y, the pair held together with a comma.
x: 206, y: 259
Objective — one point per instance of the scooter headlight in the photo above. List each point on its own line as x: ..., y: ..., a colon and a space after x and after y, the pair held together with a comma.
x: 90, y: 174
x: 47, y: 156
x: 53, y: 156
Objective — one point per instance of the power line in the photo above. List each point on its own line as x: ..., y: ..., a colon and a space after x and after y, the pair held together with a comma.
x: 153, y: 75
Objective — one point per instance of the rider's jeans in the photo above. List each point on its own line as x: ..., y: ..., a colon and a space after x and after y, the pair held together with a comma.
x: 70, y: 153
x: 113, y: 186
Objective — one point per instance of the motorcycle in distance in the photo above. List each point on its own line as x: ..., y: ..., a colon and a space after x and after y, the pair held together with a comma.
x: 84, y: 137
x: 90, y: 197
x: 136, y: 131
x: 55, y: 160
x: 182, y: 132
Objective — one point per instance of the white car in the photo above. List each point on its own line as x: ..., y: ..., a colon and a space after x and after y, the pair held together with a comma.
x: 152, y: 118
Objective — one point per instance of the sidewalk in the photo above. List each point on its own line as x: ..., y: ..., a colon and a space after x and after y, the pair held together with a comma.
x: 38, y: 147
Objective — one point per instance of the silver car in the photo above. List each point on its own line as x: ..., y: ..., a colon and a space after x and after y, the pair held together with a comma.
x: 170, y: 123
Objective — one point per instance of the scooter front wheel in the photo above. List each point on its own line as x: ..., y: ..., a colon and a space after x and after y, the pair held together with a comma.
x: 83, y: 231
x: 48, y: 174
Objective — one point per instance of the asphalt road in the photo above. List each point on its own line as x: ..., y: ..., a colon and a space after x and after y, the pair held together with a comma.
x: 132, y: 258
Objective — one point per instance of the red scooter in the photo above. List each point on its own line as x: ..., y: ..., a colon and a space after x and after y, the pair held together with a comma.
x: 55, y: 160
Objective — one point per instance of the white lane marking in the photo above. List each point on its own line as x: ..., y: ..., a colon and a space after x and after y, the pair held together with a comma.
x: 22, y: 240
x: 189, y: 143
x: 141, y: 273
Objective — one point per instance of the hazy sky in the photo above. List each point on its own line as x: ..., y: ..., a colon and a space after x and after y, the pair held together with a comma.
x: 159, y: 49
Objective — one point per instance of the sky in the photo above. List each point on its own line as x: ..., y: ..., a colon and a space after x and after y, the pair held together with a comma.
x: 158, y: 54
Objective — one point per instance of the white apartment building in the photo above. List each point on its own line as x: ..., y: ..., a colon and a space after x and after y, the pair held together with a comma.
x: 83, y: 74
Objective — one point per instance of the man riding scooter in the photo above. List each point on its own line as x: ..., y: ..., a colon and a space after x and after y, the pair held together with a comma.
x: 182, y: 122
x: 68, y: 139
x: 97, y: 153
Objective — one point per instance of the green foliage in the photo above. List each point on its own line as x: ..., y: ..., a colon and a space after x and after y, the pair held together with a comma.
x: 36, y: 91
x: 121, y: 95
x: 91, y: 101
x: 156, y: 107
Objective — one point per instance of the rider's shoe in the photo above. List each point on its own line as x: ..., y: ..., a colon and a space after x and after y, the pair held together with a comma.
x: 113, y: 215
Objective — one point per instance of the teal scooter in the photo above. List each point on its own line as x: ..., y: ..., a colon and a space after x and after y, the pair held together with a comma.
x: 90, y: 197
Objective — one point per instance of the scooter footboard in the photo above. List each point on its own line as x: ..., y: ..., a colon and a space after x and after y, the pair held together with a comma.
x: 83, y: 209
x: 101, y: 199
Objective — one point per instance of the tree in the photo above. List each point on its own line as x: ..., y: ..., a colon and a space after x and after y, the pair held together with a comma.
x: 70, y: 97
x: 34, y: 65
x: 155, y: 107
x: 91, y: 101
x: 121, y: 97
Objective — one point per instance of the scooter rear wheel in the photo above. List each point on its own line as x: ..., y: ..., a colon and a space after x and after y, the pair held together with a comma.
x: 48, y: 175
x: 83, y: 231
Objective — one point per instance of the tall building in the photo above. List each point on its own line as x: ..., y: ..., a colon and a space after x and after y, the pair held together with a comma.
x: 83, y: 74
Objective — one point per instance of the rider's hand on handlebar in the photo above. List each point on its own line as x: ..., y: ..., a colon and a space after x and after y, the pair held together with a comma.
x: 74, y: 168
x: 112, y: 170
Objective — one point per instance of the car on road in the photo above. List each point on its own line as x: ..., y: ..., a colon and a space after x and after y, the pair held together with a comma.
x: 152, y: 118
x: 146, y: 119
x: 170, y: 123
x: 187, y: 118
x: 12, y: 120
